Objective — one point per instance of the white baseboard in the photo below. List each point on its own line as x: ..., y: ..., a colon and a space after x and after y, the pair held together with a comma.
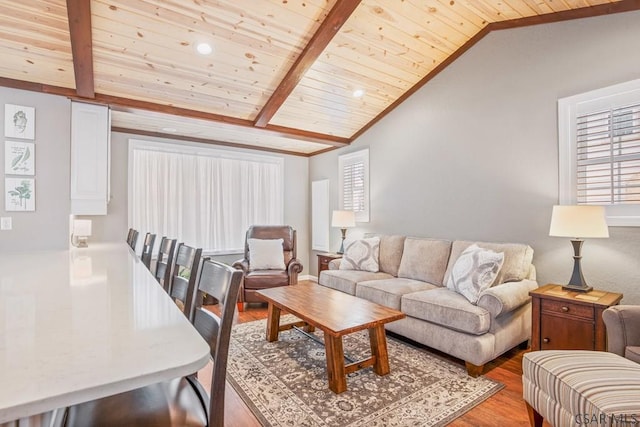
x: 308, y: 277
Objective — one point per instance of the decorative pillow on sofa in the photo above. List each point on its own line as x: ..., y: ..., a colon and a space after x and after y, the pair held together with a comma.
x: 361, y: 255
x: 266, y: 254
x: 474, y: 271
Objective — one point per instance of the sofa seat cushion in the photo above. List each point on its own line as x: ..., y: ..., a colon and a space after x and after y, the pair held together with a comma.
x: 424, y: 259
x: 447, y: 308
x: 346, y: 280
x: 388, y: 292
x: 583, y: 383
x: 632, y: 353
x: 263, y: 279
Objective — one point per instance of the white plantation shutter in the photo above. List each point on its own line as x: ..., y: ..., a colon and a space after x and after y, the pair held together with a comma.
x: 599, y: 146
x: 608, y: 156
x: 353, y: 187
x: 354, y: 183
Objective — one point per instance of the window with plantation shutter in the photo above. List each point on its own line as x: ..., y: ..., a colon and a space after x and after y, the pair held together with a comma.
x: 353, y: 183
x: 608, y: 156
x: 600, y: 151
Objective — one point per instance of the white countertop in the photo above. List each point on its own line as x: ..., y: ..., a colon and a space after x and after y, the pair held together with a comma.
x: 81, y: 324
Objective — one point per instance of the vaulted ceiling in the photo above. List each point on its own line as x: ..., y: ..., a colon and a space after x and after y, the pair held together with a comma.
x: 282, y: 74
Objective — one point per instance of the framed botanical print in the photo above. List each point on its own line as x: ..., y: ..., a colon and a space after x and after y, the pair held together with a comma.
x: 19, y: 158
x: 19, y: 121
x: 19, y: 194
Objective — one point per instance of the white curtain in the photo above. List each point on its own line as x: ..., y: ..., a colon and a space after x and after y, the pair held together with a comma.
x: 204, y: 197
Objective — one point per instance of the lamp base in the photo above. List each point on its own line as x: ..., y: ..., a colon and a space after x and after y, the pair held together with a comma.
x: 80, y: 241
x: 577, y: 282
x: 344, y: 235
x: 83, y: 242
x: 577, y: 288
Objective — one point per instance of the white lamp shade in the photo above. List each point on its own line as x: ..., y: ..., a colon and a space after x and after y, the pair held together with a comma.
x: 578, y: 221
x: 343, y: 219
x: 82, y: 227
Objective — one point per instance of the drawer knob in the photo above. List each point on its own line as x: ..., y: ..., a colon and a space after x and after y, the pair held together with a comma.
x: 565, y: 308
x: 546, y: 340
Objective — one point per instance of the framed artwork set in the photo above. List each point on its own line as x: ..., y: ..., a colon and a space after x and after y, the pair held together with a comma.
x: 19, y: 158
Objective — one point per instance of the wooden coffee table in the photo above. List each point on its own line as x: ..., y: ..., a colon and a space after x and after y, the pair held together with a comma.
x: 336, y: 314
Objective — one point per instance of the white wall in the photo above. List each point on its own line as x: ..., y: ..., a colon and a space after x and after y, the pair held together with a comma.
x: 474, y: 153
x: 48, y: 226
x: 114, y: 226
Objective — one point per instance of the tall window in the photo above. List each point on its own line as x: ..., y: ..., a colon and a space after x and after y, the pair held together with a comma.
x: 600, y: 151
x: 202, y: 196
x: 353, y: 182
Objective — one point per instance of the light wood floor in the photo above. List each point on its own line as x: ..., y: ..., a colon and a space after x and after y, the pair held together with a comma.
x: 505, y: 408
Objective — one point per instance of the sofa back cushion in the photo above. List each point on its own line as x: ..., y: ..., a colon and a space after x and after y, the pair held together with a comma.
x: 517, y: 259
x: 424, y: 259
x: 391, y: 248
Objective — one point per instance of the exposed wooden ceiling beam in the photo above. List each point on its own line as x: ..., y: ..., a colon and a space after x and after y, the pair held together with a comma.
x: 566, y: 15
x: 126, y: 104
x: 79, y: 13
x: 338, y: 15
x: 584, y: 12
x: 36, y: 87
x: 205, y: 141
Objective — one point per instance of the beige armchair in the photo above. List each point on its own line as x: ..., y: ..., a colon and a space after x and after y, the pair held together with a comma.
x: 256, y: 279
x: 623, y: 330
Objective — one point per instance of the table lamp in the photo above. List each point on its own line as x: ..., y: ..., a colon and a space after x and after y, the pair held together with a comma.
x: 578, y: 222
x: 344, y: 220
x: 81, y: 233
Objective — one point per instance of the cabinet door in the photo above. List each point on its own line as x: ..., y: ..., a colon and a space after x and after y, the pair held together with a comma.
x: 562, y: 333
x: 90, y: 131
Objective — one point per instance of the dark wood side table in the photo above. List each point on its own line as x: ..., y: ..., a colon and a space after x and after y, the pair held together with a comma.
x: 569, y: 320
x: 324, y: 259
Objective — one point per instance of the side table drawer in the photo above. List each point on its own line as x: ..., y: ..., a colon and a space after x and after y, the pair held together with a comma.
x: 567, y: 308
x: 324, y: 263
x: 324, y: 260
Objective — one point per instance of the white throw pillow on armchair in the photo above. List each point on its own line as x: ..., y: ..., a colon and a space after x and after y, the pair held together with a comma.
x: 474, y: 271
x: 266, y: 254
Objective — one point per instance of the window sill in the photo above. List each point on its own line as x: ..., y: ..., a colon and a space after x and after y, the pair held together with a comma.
x: 623, y: 221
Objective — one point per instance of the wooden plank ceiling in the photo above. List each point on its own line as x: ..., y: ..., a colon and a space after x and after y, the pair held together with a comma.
x: 282, y: 73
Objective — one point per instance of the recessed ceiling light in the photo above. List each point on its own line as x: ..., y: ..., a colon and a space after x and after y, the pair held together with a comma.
x: 204, y: 48
x: 169, y: 129
x: 358, y: 93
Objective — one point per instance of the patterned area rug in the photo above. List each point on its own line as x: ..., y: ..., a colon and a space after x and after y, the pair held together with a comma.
x: 285, y: 383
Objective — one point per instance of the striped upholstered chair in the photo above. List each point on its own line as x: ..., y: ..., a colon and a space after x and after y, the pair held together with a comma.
x: 580, y: 387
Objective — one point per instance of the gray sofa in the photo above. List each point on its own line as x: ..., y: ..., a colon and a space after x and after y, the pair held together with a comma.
x: 411, y: 277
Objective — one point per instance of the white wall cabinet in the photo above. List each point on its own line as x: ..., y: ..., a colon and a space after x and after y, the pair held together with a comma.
x: 90, y: 152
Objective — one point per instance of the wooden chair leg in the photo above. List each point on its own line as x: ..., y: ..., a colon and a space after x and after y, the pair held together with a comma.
x: 474, y: 370
x: 535, y: 419
x: 240, y: 306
